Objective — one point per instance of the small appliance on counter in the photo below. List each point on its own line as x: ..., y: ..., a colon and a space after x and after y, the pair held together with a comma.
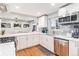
x: 75, y: 33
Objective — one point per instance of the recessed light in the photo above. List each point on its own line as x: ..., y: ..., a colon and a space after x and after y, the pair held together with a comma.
x: 52, y: 4
x: 17, y: 7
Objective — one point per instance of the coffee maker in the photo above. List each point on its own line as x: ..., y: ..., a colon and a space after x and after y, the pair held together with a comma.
x: 75, y: 33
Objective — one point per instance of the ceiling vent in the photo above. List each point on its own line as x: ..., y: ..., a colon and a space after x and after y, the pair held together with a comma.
x: 3, y: 7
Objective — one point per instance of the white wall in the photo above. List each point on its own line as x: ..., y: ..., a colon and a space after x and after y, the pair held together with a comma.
x: 15, y: 30
x: 52, y: 21
x: 11, y: 16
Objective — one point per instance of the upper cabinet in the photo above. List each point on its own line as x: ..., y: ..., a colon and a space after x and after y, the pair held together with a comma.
x: 42, y: 21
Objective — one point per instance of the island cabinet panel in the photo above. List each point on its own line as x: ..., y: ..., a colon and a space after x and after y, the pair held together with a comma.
x: 61, y: 47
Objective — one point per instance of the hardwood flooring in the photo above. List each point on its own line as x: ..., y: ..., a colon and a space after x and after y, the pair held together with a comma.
x: 34, y: 51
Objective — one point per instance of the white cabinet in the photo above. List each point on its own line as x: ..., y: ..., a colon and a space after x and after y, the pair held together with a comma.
x: 22, y: 42
x: 42, y: 40
x: 42, y: 21
x: 27, y: 41
x: 30, y: 40
x: 35, y: 40
x: 47, y: 42
x: 51, y: 44
x: 73, y: 48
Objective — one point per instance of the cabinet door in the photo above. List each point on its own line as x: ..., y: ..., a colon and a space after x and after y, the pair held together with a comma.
x: 51, y: 44
x: 73, y: 49
x: 64, y: 51
x: 42, y: 40
x: 48, y: 42
x: 57, y: 46
x: 22, y: 42
x: 30, y: 40
x: 35, y: 39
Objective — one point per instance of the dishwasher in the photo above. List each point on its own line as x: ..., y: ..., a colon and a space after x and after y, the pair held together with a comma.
x: 7, y: 46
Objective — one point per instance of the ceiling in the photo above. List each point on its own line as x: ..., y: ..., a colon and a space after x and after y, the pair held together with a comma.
x: 33, y: 9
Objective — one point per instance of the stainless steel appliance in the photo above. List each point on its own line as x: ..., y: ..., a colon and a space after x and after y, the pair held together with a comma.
x: 75, y: 33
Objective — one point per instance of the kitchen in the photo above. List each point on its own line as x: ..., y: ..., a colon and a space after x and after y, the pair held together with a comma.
x: 39, y: 29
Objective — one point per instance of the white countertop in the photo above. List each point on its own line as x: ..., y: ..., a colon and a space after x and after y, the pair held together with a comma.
x: 66, y: 38
x: 20, y: 34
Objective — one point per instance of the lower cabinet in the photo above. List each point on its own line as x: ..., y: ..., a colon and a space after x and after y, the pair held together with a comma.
x: 35, y: 39
x: 61, y: 47
x: 26, y: 41
x: 47, y: 42
x: 22, y: 42
x: 74, y: 48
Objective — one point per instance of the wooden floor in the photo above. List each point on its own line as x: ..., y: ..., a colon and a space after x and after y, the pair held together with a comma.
x: 35, y: 51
